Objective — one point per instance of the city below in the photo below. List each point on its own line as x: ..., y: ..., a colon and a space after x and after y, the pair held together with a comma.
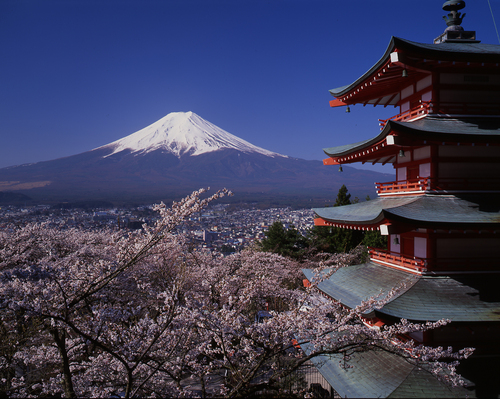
x: 220, y: 228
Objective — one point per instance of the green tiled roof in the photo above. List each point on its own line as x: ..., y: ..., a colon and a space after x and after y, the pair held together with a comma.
x: 451, y: 126
x: 366, y: 212
x: 380, y: 374
x: 446, y: 211
x: 472, y: 298
x: 430, y: 127
x: 354, y: 284
x: 473, y: 52
x: 457, y: 298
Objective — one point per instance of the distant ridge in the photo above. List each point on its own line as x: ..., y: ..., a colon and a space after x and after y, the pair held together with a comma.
x: 180, y: 153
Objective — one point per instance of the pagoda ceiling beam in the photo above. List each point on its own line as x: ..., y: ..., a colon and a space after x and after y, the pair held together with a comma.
x: 389, y: 159
x: 391, y: 98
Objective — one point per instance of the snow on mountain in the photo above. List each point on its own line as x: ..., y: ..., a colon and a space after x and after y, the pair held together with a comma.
x: 184, y: 133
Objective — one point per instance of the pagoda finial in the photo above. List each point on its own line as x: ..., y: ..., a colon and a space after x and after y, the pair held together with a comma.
x: 454, y: 18
x: 454, y: 33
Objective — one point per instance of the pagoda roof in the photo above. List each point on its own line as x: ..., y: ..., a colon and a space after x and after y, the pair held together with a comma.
x: 383, y: 80
x: 446, y: 211
x: 459, y: 298
x: 381, y: 374
x: 353, y: 284
x: 430, y: 129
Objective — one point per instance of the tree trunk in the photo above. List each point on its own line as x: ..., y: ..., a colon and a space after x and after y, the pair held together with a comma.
x: 60, y: 340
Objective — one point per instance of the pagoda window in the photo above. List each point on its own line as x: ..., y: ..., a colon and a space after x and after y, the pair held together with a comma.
x: 420, y: 247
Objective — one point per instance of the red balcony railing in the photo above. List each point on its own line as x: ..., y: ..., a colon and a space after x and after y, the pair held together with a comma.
x: 399, y: 260
x: 421, y: 109
x: 427, y: 184
x: 394, y: 187
x: 435, y: 265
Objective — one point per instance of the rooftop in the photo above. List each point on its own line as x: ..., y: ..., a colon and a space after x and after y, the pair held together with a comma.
x: 445, y: 211
x: 460, y: 298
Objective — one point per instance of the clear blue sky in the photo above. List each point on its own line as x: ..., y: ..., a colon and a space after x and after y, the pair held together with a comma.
x: 78, y: 74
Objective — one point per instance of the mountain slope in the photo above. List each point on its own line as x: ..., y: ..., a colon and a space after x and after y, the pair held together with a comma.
x: 183, y: 133
x: 174, y: 156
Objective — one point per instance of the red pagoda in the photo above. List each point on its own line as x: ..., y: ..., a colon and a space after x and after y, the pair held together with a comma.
x: 441, y: 215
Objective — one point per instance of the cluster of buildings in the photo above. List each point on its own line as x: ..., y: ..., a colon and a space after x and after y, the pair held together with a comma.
x: 219, y: 228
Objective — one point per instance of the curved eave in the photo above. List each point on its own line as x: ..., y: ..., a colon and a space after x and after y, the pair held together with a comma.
x: 374, y: 150
x: 429, y: 298
x: 425, y: 211
x: 473, y: 211
x: 353, y: 284
x: 378, y: 373
x: 457, y: 298
x: 343, y: 90
x: 431, y: 129
x: 367, y: 213
x: 453, y: 130
x: 380, y: 85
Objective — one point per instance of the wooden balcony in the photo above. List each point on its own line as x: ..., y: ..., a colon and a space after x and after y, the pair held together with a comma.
x: 420, y: 110
x: 403, y: 186
x: 399, y: 261
x: 444, y: 185
x: 418, y: 265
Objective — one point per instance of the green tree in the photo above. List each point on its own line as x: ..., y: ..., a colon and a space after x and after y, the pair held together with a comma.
x: 335, y: 239
x: 343, y: 198
x: 375, y: 240
x: 283, y: 241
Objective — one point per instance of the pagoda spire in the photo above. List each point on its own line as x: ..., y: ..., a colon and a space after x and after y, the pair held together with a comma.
x: 454, y: 33
x: 454, y: 18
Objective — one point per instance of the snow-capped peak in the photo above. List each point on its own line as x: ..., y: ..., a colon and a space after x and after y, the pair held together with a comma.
x: 183, y: 133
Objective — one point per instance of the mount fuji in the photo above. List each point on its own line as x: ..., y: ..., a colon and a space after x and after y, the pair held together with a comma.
x: 183, y: 133
x: 172, y: 157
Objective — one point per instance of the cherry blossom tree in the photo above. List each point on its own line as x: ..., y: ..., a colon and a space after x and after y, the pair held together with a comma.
x: 103, y: 313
